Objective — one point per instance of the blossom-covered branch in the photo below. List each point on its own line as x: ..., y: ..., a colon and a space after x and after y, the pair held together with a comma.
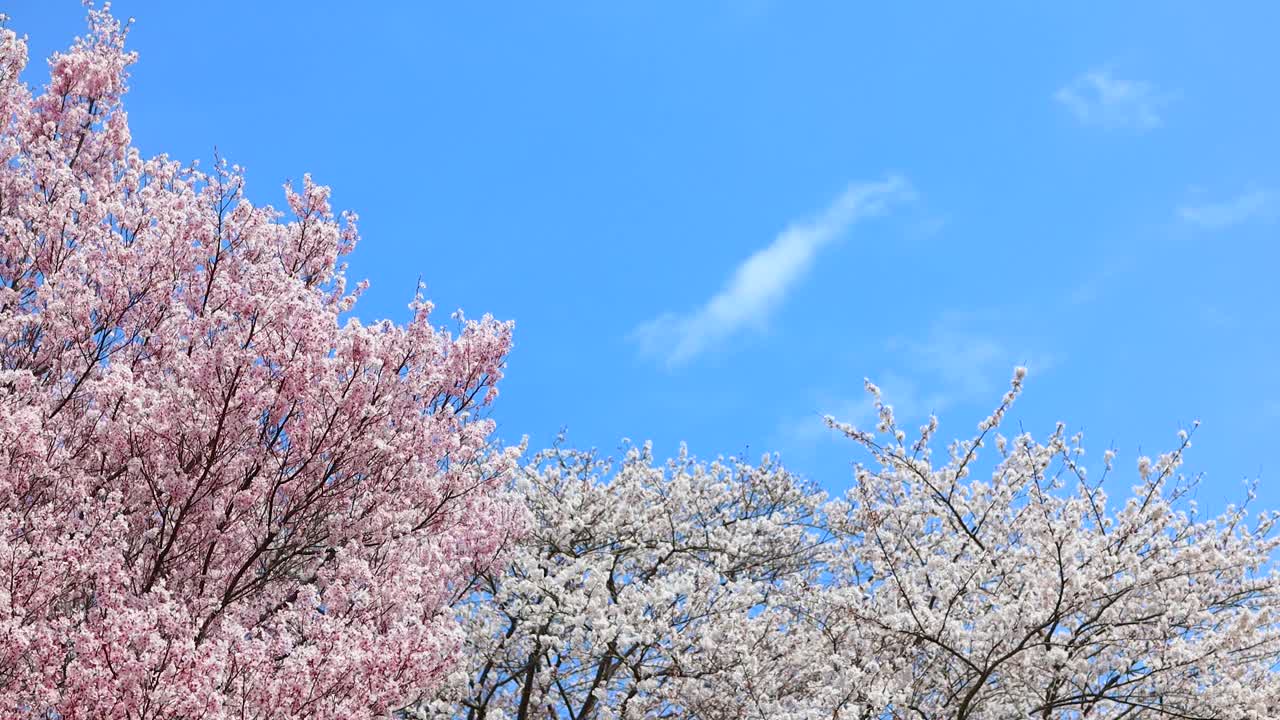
x: 217, y: 499
x: 1023, y: 591
x: 643, y: 590
x: 997, y: 582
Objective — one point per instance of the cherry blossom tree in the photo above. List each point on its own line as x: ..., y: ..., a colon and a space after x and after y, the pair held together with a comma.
x: 218, y: 499
x: 642, y: 590
x: 997, y: 582
x: 1025, y: 592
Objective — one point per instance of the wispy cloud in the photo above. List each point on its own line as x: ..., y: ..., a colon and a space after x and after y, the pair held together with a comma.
x: 1271, y: 408
x: 800, y: 434
x: 1092, y: 285
x: 1255, y: 205
x: 761, y: 282
x: 1101, y: 99
x: 962, y: 361
x: 951, y: 364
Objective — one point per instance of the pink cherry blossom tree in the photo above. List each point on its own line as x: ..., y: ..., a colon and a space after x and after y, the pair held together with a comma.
x: 217, y: 498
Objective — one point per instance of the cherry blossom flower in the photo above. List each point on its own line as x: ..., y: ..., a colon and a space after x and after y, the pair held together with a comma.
x: 217, y: 498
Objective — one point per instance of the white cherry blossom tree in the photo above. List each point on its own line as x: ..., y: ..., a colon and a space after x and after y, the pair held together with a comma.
x: 992, y: 579
x: 639, y: 586
x: 1026, y: 592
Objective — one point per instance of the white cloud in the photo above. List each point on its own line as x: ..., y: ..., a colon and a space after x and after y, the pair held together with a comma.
x: 949, y: 365
x: 761, y: 282
x: 1094, y: 284
x: 953, y: 364
x: 799, y: 434
x: 1099, y: 98
x: 1258, y: 204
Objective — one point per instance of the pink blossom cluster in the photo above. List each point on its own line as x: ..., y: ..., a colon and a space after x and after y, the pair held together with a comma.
x: 217, y: 498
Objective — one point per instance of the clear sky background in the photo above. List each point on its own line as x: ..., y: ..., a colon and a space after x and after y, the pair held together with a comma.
x: 711, y: 220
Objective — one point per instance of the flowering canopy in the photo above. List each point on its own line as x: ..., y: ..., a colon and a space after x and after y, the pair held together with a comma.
x: 929, y: 591
x: 216, y: 499
x: 642, y: 596
x: 1026, y: 593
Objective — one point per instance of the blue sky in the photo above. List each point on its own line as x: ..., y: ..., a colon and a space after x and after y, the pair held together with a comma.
x: 711, y: 220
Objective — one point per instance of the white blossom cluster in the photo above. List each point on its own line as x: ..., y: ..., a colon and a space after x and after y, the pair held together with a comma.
x: 646, y: 594
x: 1026, y: 592
x: 984, y: 585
